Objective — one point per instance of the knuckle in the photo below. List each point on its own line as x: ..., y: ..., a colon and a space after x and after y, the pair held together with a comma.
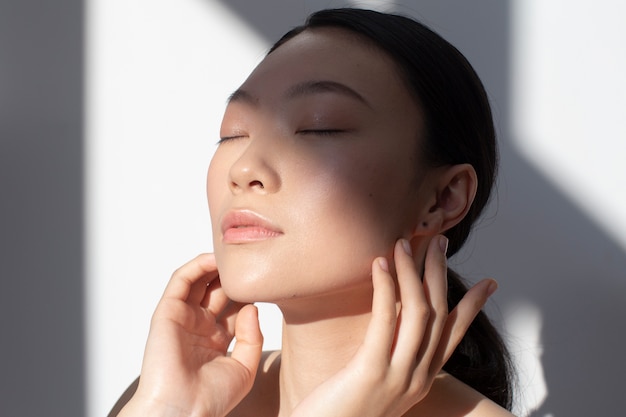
x: 373, y: 377
x: 388, y: 318
x: 423, y: 313
x: 441, y: 311
x: 417, y: 387
x: 397, y: 381
x: 177, y: 271
x: 457, y: 333
x: 399, y: 386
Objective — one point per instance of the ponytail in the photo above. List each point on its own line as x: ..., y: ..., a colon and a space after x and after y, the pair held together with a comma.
x: 481, y: 360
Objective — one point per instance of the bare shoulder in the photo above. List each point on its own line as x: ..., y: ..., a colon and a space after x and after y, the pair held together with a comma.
x: 467, y: 401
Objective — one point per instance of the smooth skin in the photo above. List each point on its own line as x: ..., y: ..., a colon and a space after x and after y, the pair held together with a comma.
x: 355, y: 259
x: 187, y: 371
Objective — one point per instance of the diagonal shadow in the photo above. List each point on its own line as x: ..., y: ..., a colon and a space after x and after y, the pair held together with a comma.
x: 541, y: 246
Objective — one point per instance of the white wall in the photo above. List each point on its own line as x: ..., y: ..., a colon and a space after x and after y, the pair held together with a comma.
x: 569, y: 101
x: 159, y: 74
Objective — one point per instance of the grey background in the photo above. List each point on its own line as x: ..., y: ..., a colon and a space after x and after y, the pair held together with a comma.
x: 42, y: 366
x: 539, y: 245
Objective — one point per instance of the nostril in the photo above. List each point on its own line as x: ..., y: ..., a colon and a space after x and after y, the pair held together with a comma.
x: 257, y: 183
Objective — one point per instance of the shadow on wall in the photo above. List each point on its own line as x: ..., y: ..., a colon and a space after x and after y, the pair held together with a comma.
x: 41, y: 215
x: 542, y: 248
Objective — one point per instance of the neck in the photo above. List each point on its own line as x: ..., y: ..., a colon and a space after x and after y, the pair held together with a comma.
x: 319, y: 337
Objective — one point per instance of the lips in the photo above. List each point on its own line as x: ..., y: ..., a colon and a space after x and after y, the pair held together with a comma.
x: 244, y: 226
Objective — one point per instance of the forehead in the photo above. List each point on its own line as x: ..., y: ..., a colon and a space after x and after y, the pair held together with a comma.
x: 329, y: 54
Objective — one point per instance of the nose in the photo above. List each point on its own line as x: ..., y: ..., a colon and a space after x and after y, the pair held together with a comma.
x: 255, y: 169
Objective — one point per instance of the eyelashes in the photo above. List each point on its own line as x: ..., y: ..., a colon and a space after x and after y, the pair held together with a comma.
x: 230, y: 138
x: 320, y: 132
x: 307, y: 132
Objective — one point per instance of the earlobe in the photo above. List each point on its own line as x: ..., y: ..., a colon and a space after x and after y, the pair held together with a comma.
x: 451, y: 199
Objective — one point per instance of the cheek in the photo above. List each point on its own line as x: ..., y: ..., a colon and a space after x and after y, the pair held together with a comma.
x: 361, y: 203
x: 211, y: 181
x: 216, y: 185
x: 377, y: 190
x: 339, y: 209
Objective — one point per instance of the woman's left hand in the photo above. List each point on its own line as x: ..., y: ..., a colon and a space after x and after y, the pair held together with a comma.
x: 407, y: 342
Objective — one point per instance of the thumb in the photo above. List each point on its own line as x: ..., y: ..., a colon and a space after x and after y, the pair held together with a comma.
x: 248, y: 339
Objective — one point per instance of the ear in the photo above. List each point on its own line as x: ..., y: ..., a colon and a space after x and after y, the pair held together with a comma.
x: 449, y: 199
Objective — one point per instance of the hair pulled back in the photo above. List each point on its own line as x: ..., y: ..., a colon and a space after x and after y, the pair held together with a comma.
x: 458, y: 129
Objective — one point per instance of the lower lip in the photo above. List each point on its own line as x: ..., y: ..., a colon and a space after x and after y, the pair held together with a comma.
x: 249, y: 234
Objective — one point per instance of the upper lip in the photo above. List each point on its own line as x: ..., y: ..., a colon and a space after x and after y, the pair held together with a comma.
x: 243, y: 218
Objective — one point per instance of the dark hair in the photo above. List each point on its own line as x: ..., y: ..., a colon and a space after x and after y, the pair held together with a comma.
x: 459, y: 129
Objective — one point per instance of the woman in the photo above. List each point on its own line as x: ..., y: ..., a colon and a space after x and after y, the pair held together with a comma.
x: 355, y: 155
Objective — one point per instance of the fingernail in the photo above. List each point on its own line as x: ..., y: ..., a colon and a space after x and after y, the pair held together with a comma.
x: 443, y: 244
x: 406, y: 246
x: 383, y: 264
x: 493, y: 286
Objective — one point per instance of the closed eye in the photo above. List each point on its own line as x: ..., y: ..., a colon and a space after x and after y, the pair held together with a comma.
x: 320, y: 132
x: 229, y: 138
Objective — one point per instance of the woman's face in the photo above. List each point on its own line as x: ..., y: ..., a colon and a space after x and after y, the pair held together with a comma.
x: 316, y: 173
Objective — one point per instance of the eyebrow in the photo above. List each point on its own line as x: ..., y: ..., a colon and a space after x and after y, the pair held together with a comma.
x: 304, y: 89
x: 317, y: 87
x: 240, y: 95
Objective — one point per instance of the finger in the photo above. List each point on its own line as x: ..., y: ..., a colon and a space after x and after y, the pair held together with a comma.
x: 379, y: 336
x: 435, y: 290
x: 249, y: 340
x: 188, y: 283
x: 228, y: 317
x: 215, y: 299
x: 461, y: 317
x: 414, y: 310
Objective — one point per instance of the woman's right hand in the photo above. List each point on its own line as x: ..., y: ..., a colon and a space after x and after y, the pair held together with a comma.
x: 186, y: 370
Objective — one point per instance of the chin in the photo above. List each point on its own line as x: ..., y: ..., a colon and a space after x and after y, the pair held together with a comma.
x: 249, y: 279
x: 243, y: 297
x: 238, y: 291
x: 249, y: 290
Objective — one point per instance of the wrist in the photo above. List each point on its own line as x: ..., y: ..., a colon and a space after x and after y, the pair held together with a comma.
x: 138, y: 407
